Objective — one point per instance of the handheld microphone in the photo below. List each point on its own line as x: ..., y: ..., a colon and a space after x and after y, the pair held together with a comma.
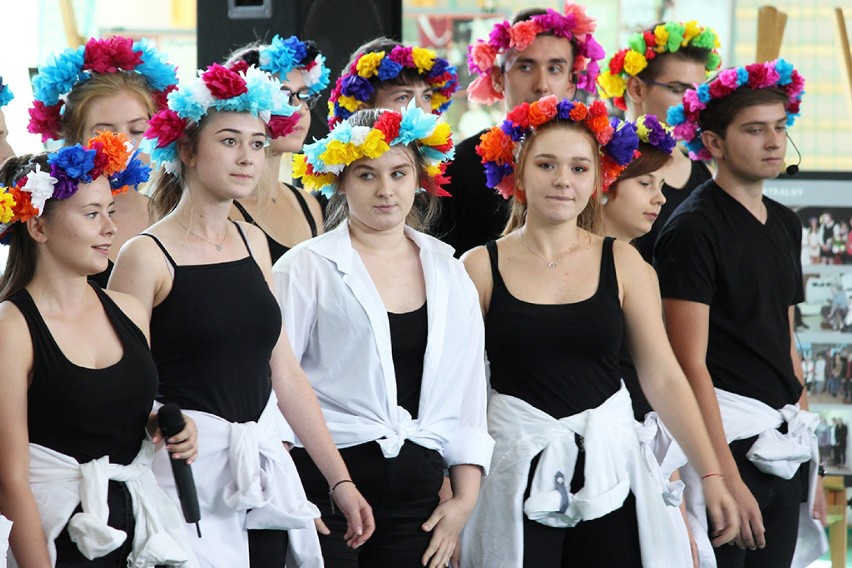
x: 793, y: 169
x: 171, y: 423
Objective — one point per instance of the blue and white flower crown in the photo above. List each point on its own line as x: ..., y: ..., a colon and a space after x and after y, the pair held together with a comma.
x: 5, y: 93
x: 283, y: 55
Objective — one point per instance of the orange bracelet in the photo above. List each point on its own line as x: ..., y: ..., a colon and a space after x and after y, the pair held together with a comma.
x: 705, y: 476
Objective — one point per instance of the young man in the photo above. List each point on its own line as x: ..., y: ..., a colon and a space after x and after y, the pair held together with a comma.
x: 730, y: 274
x: 541, y: 52
x: 649, y: 77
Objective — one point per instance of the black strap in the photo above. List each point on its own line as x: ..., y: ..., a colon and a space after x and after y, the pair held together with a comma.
x: 305, y: 209
x: 243, y: 236
x: 248, y: 218
x: 162, y: 248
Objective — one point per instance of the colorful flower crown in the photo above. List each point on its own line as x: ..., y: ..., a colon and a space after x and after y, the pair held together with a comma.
x: 618, y: 139
x: 281, y: 56
x: 646, y: 45
x: 574, y: 25
x: 68, y: 69
x: 107, y: 154
x: 353, y: 88
x: 324, y: 160
x: 685, y: 118
x: 655, y: 133
x: 5, y: 93
x: 221, y: 89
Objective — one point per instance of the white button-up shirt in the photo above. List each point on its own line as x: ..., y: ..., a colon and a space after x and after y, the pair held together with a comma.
x: 338, y: 328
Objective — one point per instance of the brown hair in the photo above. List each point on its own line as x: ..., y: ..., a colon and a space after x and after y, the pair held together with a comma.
x: 689, y: 53
x: 426, y: 206
x: 525, y: 15
x: 406, y: 76
x: 108, y: 84
x: 23, y: 252
x: 589, y: 217
x: 168, y: 187
x: 721, y: 112
x: 650, y: 160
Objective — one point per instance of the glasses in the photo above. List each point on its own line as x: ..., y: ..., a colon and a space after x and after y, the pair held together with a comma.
x: 674, y: 88
x: 306, y: 96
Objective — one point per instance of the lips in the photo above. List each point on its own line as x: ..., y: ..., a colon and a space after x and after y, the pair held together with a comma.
x: 103, y: 249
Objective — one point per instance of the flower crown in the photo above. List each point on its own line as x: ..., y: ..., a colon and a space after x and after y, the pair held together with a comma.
x: 618, y: 139
x: 646, y: 45
x: 353, y: 87
x: 68, y: 69
x: 5, y: 93
x: 324, y: 160
x: 574, y: 25
x: 685, y: 118
x: 655, y: 133
x: 107, y: 154
x: 221, y: 89
x: 281, y: 56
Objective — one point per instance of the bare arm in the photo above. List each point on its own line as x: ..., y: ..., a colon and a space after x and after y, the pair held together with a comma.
x: 449, y: 518
x: 478, y: 266
x: 142, y: 271
x: 27, y: 540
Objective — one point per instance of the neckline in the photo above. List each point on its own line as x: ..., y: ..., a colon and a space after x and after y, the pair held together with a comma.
x: 411, y: 313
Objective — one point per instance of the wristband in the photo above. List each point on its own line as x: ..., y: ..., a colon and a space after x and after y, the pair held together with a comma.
x: 706, y: 475
x: 331, y: 491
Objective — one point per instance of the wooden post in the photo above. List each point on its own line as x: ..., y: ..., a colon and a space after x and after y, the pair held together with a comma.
x: 70, y: 23
x: 835, y: 498
x: 770, y: 31
x: 845, y: 55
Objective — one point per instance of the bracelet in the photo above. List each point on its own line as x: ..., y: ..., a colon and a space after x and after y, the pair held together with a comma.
x: 331, y: 491
x: 706, y: 475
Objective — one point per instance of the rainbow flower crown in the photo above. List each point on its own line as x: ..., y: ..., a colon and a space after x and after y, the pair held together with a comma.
x: 281, y: 56
x: 68, y: 69
x: 655, y: 133
x: 219, y: 89
x: 353, y: 87
x: 324, y: 160
x: 685, y: 118
x: 574, y: 25
x: 618, y: 139
x: 644, y: 46
x: 6, y: 95
x: 107, y: 154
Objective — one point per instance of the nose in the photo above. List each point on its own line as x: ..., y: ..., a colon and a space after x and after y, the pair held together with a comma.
x: 776, y: 139
x: 560, y: 177
x: 109, y: 226
x: 658, y: 198
x: 424, y: 102
x: 246, y: 157
x: 540, y: 85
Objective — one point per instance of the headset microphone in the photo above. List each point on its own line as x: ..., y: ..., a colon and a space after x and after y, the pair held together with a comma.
x: 793, y: 169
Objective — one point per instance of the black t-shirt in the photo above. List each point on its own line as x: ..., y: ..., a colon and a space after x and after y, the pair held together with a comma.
x: 475, y: 214
x: 715, y: 252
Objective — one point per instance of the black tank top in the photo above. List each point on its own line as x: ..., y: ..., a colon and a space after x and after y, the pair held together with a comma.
x: 409, y: 333
x: 213, y: 335
x: 82, y: 412
x: 560, y: 358
x: 276, y: 249
x: 102, y: 278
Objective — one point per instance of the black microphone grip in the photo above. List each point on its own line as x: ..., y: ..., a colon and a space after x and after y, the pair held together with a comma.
x: 171, y: 423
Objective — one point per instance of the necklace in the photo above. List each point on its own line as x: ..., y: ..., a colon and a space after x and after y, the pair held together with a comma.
x: 550, y: 263
x: 191, y: 232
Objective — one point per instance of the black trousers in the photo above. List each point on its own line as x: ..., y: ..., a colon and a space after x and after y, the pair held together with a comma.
x: 779, y: 501
x: 611, y: 540
x: 403, y: 492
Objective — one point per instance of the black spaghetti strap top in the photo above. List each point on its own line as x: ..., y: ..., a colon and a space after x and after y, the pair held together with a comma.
x: 560, y: 358
x: 82, y: 412
x: 102, y: 278
x: 213, y: 335
x: 276, y: 249
x: 409, y: 334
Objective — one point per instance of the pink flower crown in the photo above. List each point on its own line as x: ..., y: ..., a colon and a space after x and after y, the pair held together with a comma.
x: 66, y: 70
x: 107, y: 154
x: 644, y: 46
x: 574, y: 25
x: 618, y: 140
x: 685, y: 118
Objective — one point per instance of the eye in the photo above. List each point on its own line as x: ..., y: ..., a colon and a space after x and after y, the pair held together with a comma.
x: 525, y: 67
x: 137, y: 132
x: 403, y: 97
x: 111, y: 212
x: 427, y: 96
x: 397, y: 174
x: 545, y: 165
x: 92, y: 214
x: 229, y: 141
x: 258, y: 144
x: 366, y: 176
x: 579, y: 169
x: 555, y: 69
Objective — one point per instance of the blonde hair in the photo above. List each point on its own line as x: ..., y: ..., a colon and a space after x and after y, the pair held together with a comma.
x: 106, y: 85
x: 590, y: 217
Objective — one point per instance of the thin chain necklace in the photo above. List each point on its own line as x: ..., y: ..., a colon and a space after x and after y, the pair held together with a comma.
x: 550, y: 263
x: 191, y: 232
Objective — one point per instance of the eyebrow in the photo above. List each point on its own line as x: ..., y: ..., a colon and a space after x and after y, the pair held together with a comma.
x: 98, y: 205
x: 235, y: 131
x: 551, y: 60
x: 554, y: 157
x: 140, y: 119
x: 371, y: 168
x: 764, y: 122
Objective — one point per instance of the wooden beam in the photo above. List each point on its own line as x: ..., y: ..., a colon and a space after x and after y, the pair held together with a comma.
x: 845, y: 55
x: 72, y: 35
x: 770, y: 32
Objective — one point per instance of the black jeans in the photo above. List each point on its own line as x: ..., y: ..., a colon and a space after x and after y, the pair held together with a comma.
x: 403, y: 492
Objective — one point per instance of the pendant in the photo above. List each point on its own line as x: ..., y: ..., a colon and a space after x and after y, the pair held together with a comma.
x: 219, y: 248
x: 551, y: 265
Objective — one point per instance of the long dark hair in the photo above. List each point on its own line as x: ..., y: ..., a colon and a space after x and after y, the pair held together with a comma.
x: 23, y: 252
x: 168, y: 187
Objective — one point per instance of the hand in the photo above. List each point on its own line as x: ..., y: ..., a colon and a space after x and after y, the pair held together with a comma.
x: 722, y: 510
x: 693, y: 548
x: 752, y: 532
x: 445, y: 523
x: 321, y: 527
x: 181, y: 446
x: 358, y: 513
x: 820, y: 506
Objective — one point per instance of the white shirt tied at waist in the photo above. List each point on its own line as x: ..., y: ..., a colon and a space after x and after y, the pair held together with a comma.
x: 5, y: 529
x: 59, y: 483
x: 245, y: 479
x: 773, y: 453
x: 614, y: 466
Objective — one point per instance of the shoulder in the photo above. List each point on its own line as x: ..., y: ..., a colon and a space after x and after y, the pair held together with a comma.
x: 137, y: 252
x: 252, y: 233
x: 785, y: 213
x: 14, y: 333
x: 477, y: 263
x: 131, y: 307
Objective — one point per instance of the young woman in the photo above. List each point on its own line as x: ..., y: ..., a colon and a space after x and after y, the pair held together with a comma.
x: 284, y: 213
x: 383, y: 73
x: 385, y: 323
x: 557, y: 300
x: 215, y: 329
x: 117, y: 85
x: 78, y: 380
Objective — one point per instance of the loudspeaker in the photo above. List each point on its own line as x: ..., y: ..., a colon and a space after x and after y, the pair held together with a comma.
x: 337, y: 26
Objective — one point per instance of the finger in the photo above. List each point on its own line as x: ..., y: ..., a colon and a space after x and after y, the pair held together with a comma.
x: 759, y: 532
x: 746, y: 537
x: 320, y: 525
x: 433, y: 520
x: 157, y: 436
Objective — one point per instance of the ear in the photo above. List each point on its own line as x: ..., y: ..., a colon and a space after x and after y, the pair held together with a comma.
x: 185, y: 153
x: 636, y: 91
x: 714, y: 143
x: 497, y: 79
x: 37, y: 230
